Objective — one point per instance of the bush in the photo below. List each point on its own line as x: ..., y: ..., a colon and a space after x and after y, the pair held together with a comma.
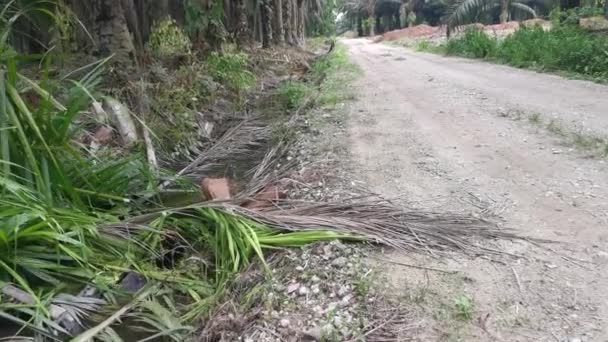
x: 231, y: 69
x: 168, y: 39
x: 574, y: 15
x: 292, y: 94
x: 474, y: 43
x: 564, y: 48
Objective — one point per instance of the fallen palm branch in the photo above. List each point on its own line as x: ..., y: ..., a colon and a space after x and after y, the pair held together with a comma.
x: 379, y: 221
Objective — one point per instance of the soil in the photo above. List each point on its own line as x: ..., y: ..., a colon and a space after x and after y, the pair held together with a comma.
x: 435, y: 131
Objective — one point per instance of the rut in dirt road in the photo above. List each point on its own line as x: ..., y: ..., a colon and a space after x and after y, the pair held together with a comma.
x: 435, y: 130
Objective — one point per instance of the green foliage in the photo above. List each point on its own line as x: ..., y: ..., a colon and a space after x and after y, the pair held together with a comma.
x: 464, y: 12
x: 323, y: 23
x: 293, y: 93
x: 336, y: 71
x: 474, y: 43
x: 425, y: 45
x: 231, y: 69
x: 205, y: 18
x: 368, y: 25
x: 464, y: 308
x: 176, y: 99
x: 564, y: 48
x: 572, y: 16
x: 168, y: 39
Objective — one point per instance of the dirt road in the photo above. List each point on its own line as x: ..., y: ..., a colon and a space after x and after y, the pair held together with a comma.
x: 458, y: 134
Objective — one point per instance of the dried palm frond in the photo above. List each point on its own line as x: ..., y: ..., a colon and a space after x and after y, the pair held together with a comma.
x: 236, y: 143
x: 379, y: 221
x: 265, y: 173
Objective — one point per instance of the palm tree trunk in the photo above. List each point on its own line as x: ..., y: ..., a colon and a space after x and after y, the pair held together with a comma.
x: 278, y: 30
x: 267, y: 16
x: 287, y: 21
x: 301, y: 15
x: 504, y: 11
x: 112, y: 31
x: 243, y: 37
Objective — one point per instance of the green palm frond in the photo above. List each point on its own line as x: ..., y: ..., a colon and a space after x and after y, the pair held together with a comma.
x: 524, y: 8
x: 462, y: 11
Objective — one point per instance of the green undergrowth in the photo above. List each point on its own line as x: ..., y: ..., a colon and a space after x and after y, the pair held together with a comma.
x: 339, y: 73
x: 72, y: 216
x: 565, y: 48
x: 178, y: 95
x: 324, y: 87
x: 293, y: 93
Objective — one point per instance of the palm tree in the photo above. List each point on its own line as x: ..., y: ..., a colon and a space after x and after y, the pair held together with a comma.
x: 464, y: 11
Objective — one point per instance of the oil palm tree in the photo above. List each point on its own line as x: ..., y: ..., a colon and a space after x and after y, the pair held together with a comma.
x: 464, y: 11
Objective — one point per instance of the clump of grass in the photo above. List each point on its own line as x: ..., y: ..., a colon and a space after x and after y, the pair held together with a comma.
x: 583, y: 141
x: 174, y: 108
x: 293, y: 93
x: 232, y: 70
x: 428, y: 46
x: 534, y: 118
x: 556, y: 128
x: 168, y: 39
x: 463, y: 306
x: 474, y: 43
x: 605, y: 149
x: 337, y: 72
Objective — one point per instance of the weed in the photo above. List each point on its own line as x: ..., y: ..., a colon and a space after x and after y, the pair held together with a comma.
x: 573, y: 16
x: 423, y: 45
x: 428, y: 46
x: 175, y: 108
x: 168, y: 39
x: 554, y: 127
x: 565, y: 48
x: 293, y: 93
x: 534, y: 118
x: 583, y: 141
x: 475, y: 43
x: 363, y: 285
x: 337, y: 72
x: 464, y: 308
x: 231, y: 69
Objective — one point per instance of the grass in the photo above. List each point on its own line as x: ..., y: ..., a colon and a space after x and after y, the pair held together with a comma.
x: 338, y: 73
x: 325, y: 87
x: 231, y: 69
x: 463, y: 307
x: 293, y: 93
x: 581, y: 140
x: 535, y: 118
x: 565, y: 48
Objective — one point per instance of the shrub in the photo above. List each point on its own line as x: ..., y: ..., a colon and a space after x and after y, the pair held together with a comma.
x: 564, y: 48
x: 474, y: 43
x: 573, y: 16
x: 175, y: 108
x: 168, y: 39
x: 231, y: 69
x: 292, y: 93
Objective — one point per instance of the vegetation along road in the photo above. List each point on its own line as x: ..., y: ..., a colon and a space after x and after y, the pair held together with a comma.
x: 496, y: 141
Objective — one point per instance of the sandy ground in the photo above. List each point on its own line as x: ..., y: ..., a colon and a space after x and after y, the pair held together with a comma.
x: 433, y: 129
